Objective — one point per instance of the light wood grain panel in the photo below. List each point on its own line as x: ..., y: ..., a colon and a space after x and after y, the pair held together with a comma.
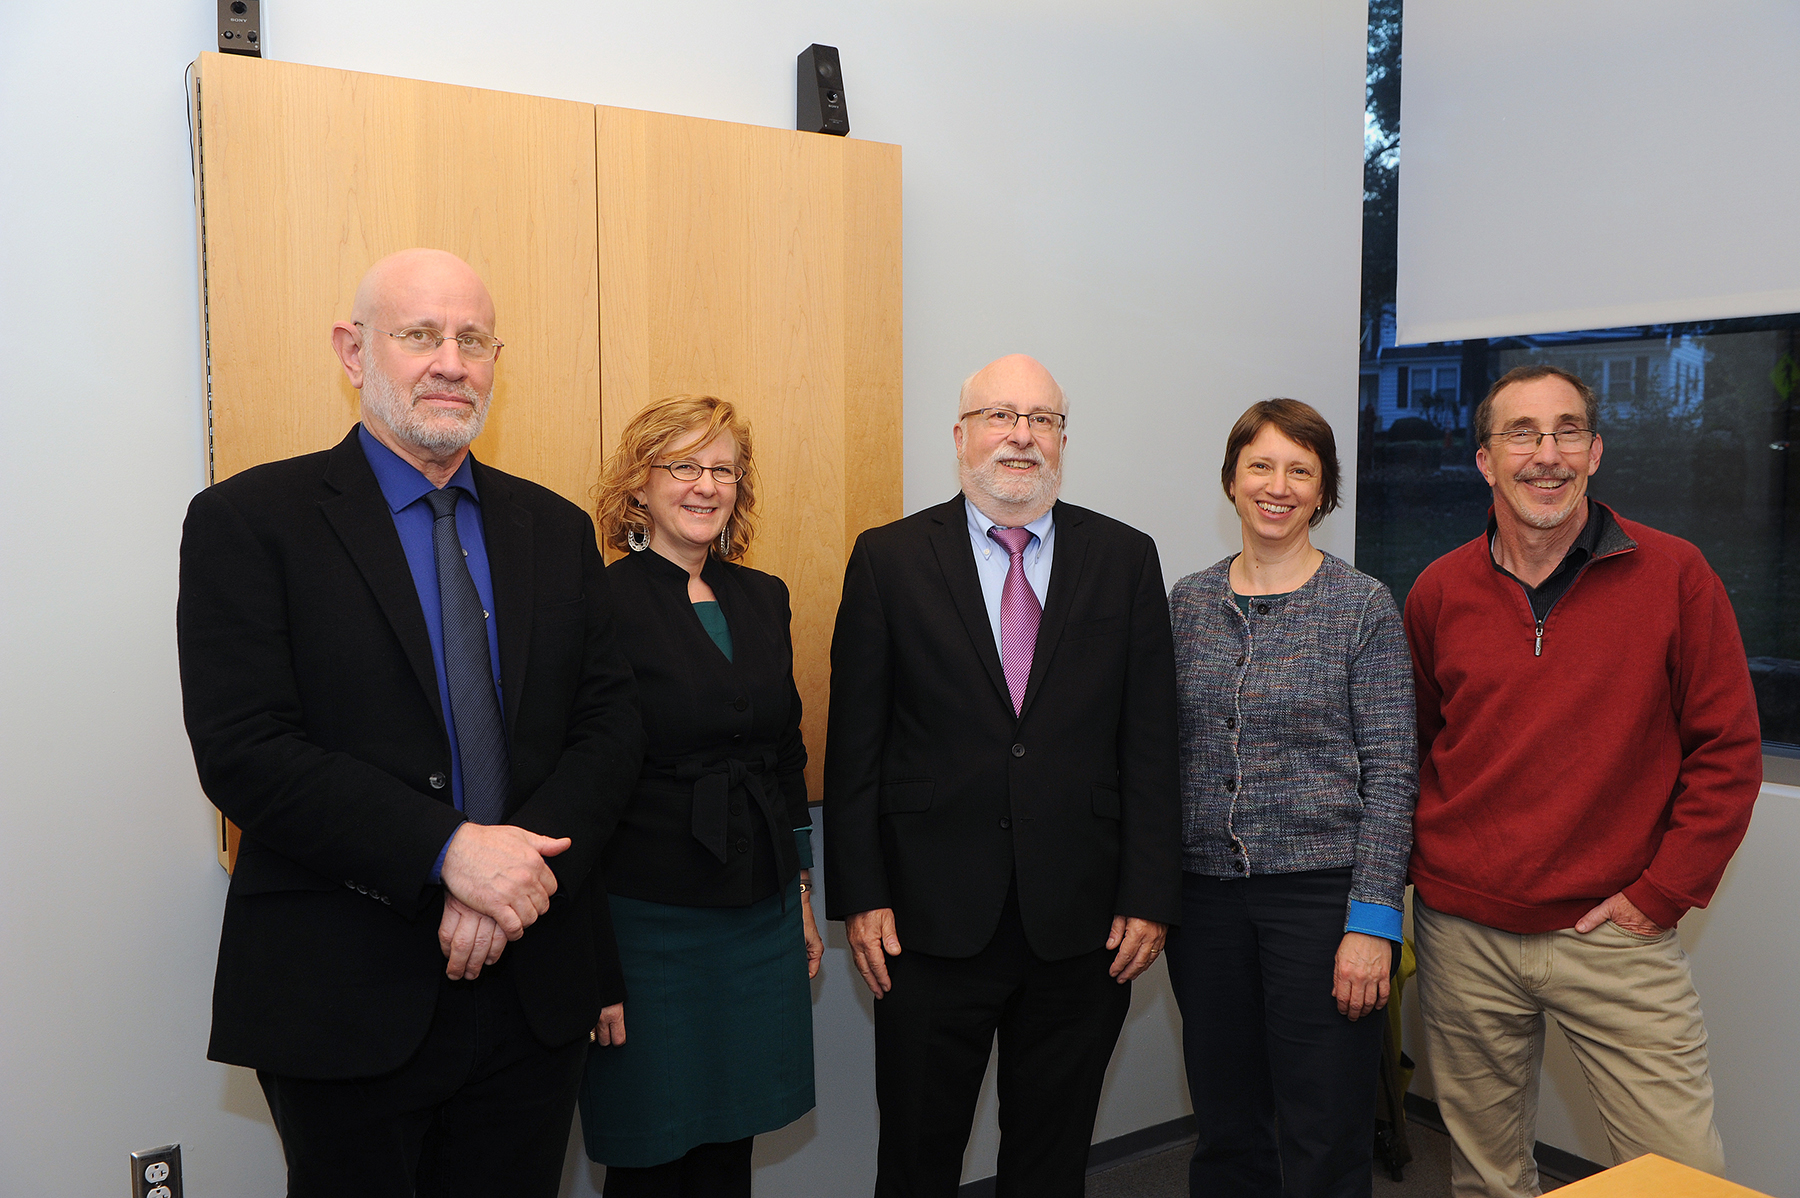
x: 624, y: 264
x: 311, y: 174
x: 873, y: 395
x: 763, y: 266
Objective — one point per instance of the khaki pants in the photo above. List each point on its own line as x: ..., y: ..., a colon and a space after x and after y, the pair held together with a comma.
x: 1626, y: 1004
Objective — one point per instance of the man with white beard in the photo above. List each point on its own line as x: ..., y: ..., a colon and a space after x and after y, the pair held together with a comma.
x: 1001, y: 796
x: 399, y: 678
x: 1589, y: 754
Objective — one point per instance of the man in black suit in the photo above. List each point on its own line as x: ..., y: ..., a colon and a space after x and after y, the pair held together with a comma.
x: 400, y: 682
x: 1000, y: 796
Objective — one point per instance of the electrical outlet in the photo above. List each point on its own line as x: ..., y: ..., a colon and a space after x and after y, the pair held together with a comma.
x: 156, y: 1172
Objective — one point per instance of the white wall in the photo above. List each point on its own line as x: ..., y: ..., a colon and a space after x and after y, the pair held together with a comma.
x: 1161, y: 199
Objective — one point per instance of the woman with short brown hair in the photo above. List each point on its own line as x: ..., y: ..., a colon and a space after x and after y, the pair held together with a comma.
x: 1298, y: 779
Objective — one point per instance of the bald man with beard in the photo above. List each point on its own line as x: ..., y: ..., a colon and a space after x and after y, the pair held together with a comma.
x: 399, y: 679
x: 1001, y: 833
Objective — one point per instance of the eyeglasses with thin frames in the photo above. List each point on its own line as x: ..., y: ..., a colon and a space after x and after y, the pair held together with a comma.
x: 1006, y: 420
x: 687, y: 472
x: 1527, y: 440
x: 420, y: 340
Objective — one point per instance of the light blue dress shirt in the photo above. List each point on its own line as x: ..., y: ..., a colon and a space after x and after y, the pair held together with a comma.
x: 992, y: 560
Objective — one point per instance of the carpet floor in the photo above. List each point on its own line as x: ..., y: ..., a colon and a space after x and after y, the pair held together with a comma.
x: 1163, y: 1173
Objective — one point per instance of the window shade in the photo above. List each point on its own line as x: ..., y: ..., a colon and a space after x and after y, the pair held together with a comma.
x: 1569, y: 164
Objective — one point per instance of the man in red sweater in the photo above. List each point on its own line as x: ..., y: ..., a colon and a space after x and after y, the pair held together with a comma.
x: 1589, y: 754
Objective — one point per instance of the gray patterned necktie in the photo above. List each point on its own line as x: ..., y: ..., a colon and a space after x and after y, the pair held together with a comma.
x: 480, y: 739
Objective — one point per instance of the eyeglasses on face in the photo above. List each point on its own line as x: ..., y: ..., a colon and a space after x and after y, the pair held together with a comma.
x: 420, y: 340
x: 1004, y: 420
x: 1527, y: 440
x: 688, y: 472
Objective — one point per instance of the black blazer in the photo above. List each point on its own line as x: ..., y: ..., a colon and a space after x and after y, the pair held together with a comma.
x: 936, y: 794
x: 723, y: 785
x: 311, y: 699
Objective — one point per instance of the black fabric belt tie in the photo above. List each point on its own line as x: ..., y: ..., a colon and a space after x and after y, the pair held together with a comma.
x: 713, y: 783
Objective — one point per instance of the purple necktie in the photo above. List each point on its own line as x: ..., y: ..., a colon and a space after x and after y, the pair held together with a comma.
x: 1019, y: 615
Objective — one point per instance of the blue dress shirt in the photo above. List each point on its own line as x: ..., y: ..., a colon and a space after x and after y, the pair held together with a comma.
x: 405, y: 489
x: 992, y: 560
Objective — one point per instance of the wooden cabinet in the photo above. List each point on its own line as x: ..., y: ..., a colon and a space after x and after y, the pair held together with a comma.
x: 631, y: 255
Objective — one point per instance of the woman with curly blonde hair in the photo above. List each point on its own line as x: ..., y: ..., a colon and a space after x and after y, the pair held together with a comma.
x: 709, y: 870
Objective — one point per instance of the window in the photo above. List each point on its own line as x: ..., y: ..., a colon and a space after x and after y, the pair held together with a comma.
x: 1434, y: 392
x: 1617, y: 379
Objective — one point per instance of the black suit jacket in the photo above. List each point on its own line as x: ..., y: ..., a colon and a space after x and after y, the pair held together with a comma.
x: 724, y: 764
x: 311, y: 699
x: 936, y: 794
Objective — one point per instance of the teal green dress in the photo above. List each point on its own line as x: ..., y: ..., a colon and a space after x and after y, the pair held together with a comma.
x: 718, y: 1022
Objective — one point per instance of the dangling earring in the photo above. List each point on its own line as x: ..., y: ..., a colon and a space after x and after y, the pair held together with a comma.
x: 638, y: 539
x: 724, y: 541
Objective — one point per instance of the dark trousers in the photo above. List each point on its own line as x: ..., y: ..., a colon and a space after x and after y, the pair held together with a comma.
x: 706, y: 1171
x: 482, y: 1109
x: 934, y: 1031
x: 1283, y: 1086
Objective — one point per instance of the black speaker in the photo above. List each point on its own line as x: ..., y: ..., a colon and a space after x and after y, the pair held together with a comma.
x: 819, y: 98
x: 240, y: 27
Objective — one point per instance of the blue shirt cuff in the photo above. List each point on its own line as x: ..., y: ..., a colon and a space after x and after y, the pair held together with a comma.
x: 803, y: 846
x: 437, y: 870
x: 1373, y: 919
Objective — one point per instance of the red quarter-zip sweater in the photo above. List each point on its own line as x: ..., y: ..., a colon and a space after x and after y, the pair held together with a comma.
x: 1625, y: 756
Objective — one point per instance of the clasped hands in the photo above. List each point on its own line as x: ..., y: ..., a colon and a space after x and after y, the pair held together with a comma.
x: 496, y: 884
x: 873, y: 940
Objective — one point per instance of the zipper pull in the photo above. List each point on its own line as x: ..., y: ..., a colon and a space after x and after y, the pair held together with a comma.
x: 1539, y: 652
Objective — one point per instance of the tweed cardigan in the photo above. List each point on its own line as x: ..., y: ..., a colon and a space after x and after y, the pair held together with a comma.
x: 1298, y: 737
